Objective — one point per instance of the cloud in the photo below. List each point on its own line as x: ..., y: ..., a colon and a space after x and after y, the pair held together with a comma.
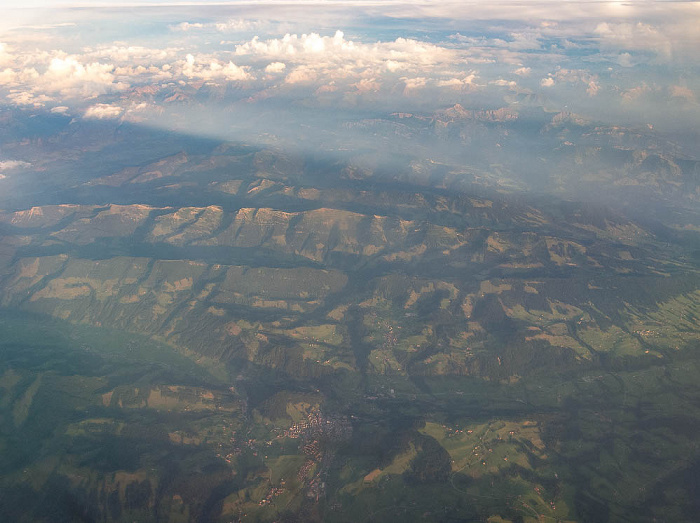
x: 523, y: 71
x: 28, y: 98
x: 328, y: 88
x: 667, y: 41
x: 69, y: 77
x: 505, y: 83
x: 678, y: 91
x: 354, y: 66
x: 186, y: 26
x: 313, y: 48
x: 5, y: 56
x: 639, y: 36
x: 466, y: 81
x: 131, y: 54
x: 103, y: 111
x: 573, y: 77
x: 301, y: 75
x: 12, y: 77
x: 233, y: 25
x: 635, y: 93
x: 275, y: 67
x: 9, y: 165
x: 60, y: 109
x: 367, y: 85
x: 237, y: 24
x: 213, y: 70
x: 412, y: 84
x: 593, y: 88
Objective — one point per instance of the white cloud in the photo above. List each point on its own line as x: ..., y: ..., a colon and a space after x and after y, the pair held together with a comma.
x: 523, y: 71
x: 11, y: 77
x: 393, y: 66
x: 8, y: 76
x: 9, y: 165
x: 237, y: 24
x: 328, y: 88
x: 639, y: 36
x: 679, y: 91
x: 28, y: 98
x: 275, y: 67
x: 626, y: 60
x: 355, y: 66
x: 524, y: 41
x: 505, y: 83
x: 635, y: 93
x: 579, y: 76
x: 547, y: 82
x: 131, y: 54
x: 301, y: 75
x: 678, y: 40
x: 72, y: 78
x: 367, y: 85
x: 327, y: 50
x: 213, y: 70
x: 233, y: 25
x: 60, y: 109
x: 103, y: 111
x: 411, y: 84
x: 593, y: 88
x: 186, y: 26
x: 5, y: 56
x: 459, y: 83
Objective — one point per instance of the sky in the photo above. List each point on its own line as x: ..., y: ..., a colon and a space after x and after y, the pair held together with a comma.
x: 630, y: 63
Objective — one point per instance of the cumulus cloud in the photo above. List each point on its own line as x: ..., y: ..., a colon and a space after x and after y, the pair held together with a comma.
x: 367, y: 85
x: 678, y: 91
x: 335, y: 67
x: 131, y: 54
x: 666, y: 41
x: 467, y: 81
x: 326, y: 50
x: 28, y: 98
x: 12, y: 77
x: 639, y: 36
x: 212, y: 70
x: 411, y: 84
x: 579, y: 76
x: 70, y: 77
x: 237, y: 24
x: 634, y: 93
x: 12, y: 165
x: 5, y: 56
x: 357, y: 67
x: 186, y: 26
x: 9, y: 165
x: 65, y: 76
x: 233, y: 25
x: 301, y: 75
x: 275, y: 67
x: 328, y: 88
x: 505, y: 83
x: 103, y: 111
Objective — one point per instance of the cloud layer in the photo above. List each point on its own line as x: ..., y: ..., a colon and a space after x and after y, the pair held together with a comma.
x: 501, y: 53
